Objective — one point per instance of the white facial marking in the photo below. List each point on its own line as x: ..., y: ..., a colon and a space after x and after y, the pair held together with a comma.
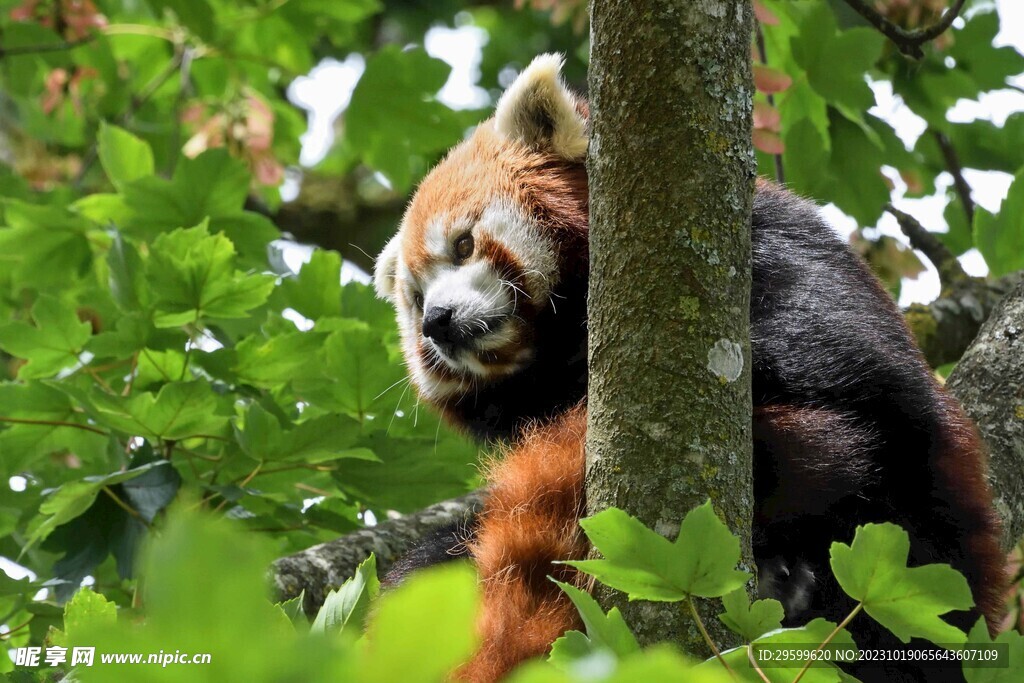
x: 435, y: 237
x: 535, y: 252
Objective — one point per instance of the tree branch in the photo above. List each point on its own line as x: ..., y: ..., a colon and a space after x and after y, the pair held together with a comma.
x: 989, y: 382
x: 950, y: 270
x: 947, y: 326
x: 48, y: 47
x: 957, y: 171
x: 907, y: 42
x: 318, y: 569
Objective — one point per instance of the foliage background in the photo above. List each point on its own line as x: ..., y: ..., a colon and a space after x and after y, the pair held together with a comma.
x: 157, y: 350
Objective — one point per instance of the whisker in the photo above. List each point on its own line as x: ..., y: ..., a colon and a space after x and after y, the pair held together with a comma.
x: 394, y: 414
x: 404, y: 379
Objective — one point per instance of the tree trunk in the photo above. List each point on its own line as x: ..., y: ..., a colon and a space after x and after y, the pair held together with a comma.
x: 671, y: 172
x: 989, y: 381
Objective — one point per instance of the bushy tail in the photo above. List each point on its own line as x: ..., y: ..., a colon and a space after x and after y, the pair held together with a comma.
x: 529, y: 521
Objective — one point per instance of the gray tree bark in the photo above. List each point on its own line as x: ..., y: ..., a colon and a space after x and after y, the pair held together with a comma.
x: 317, y: 570
x: 671, y: 171
x: 989, y: 381
x: 947, y: 326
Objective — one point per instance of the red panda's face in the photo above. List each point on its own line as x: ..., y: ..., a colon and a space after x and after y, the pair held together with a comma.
x: 472, y: 268
x: 479, y: 250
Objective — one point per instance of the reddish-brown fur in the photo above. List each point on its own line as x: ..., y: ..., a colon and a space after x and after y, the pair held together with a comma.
x: 529, y: 522
x: 487, y: 167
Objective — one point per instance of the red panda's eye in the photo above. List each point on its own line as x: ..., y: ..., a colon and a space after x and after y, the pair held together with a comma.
x: 417, y: 299
x: 464, y: 247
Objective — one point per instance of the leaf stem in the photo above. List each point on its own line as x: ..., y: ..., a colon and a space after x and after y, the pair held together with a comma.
x: 8, y: 634
x: 98, y: 379
x: 835, y: 632
x: 242, y: 484
x: 52, y: 423
x: 138, y: 30
x: 127, y: 508
x: 707, y: 637
x: 754, y: 664
x: 48, y: 47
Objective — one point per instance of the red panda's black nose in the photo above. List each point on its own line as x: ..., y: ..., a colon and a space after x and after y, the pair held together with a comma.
x: 437, y: 324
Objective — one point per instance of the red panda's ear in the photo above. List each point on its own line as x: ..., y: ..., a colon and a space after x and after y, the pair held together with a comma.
x: 385, y: 269
x: 538, y: 110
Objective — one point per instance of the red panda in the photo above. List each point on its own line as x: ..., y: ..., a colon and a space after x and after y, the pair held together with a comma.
x: 488, y: 275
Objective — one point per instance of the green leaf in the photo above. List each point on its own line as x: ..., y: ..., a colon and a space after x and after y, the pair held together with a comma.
x: 806, y: 157
x: 907, y: 601
x: 315, y: 12
x: 42, y: 246
x: 788, y: 639
x: 570, y: 648
x: 250, y: 232
x: 750, y: 620
x: 54, y: 343
x: 1000, y: 236
x: 393, y: 116
x: 658, y: 663
x: 423, y: 629
x: 280, y: 359
x: 158, y: 368
x: 293, y: 610
x: 192, y: 276
x: 83, y: 614
x: 958, y: 237
x: 124, y: 157
x: 132, y: 332
x: 356, y: 374
x: 974, y: 51
x: 73, y: 498
x: 104, y: 209
x: 323, y: 438
x: 604, y: 631
x: 647, y: 566
x: 413, y: 472
x: 178, y: 411
x: 1010, y: 660
x: 836, y: 62
x: 127, y: 281
x: 33, y: 399
x: 316, y: 291
x: 979, y: 144
x: 361, y: 302
x: 202, y: 572
x: 857, y: 161
x: 348, y: 606
x: 21, y: 445
x: 212, y: 185
x: 196, y: 15
x: 152, y: 491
